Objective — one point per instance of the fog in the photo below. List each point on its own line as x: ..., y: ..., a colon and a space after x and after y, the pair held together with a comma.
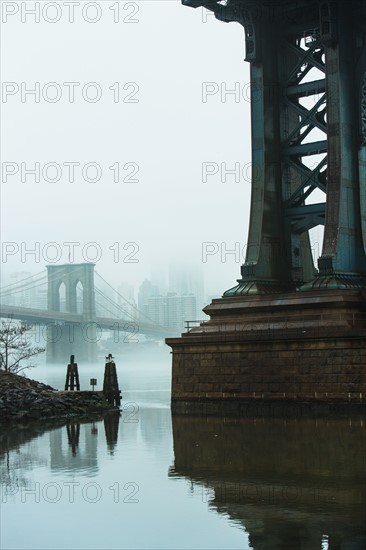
x: 161, y: 96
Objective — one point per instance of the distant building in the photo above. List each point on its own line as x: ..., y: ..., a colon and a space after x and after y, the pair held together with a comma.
x: 40, y: 298
x: 157, y: 310
x: 126, y: 301
x: 17, y: 293
x: 180, y: 309
x: 185, y: 281
x: 158, y: 279
x: 146, y: 291
x: 172, y: 310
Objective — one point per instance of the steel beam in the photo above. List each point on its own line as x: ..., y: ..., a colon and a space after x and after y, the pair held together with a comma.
x: 308, y: 70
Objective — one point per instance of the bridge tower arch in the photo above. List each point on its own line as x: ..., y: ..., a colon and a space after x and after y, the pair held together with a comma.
x: 71, y: 275
x: 78, y: 338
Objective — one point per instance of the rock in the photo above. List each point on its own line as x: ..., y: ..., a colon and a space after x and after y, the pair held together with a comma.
x: 21, y: 397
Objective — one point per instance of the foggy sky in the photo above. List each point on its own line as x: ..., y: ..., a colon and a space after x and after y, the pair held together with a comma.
x: 167, y: 55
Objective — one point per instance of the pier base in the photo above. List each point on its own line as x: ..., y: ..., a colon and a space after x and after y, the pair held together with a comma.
x: 274, y: 351
x: 74, y: 338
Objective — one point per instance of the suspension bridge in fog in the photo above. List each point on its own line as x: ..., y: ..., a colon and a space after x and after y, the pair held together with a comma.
x: 74, y: 309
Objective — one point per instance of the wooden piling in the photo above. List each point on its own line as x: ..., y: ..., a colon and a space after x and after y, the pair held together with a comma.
x: 110, y: 383
x: 72, y: 375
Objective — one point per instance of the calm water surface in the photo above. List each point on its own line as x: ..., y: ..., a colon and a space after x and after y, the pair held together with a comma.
x: 143, y: 480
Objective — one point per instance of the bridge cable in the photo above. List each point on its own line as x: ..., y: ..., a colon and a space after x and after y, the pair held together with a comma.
x: 117, y: 306
x: 22, y: 288
x: 123, y: 298
x: 25, y: 279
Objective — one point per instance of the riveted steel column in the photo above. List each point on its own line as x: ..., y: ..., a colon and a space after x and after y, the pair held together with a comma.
x: 267, y: 260
x: 343, y: 256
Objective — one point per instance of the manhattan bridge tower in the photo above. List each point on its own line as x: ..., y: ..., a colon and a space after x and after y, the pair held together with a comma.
x: 308, y: 129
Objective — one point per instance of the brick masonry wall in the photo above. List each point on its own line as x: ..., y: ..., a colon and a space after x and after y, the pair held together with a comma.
x: 307, y: 370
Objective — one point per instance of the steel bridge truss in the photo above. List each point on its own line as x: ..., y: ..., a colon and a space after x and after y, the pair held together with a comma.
x: 308, y: 79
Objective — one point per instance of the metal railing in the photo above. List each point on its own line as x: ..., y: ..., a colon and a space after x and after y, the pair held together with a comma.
x: 196, y: 323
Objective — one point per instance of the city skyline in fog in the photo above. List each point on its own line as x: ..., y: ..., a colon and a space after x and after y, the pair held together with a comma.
x: 126, y: 141
x: 168, y: 302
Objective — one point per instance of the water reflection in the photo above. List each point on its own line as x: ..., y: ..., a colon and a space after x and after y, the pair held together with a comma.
x: 73, y: 450
x: 284, y: 485
x: 111, y: 424
x: 296, y: 484
x: 73, y: 434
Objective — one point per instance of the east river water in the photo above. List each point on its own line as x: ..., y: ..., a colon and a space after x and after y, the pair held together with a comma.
x: 146, y: 480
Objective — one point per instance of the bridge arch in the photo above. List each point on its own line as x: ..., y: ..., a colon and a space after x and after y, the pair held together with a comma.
x: 78, y: 281
x: 79, y: 290
x: 60, y: 302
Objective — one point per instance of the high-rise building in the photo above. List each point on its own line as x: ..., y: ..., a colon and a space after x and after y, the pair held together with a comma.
x: 17, y: 293
x: 126, y: 301
x: 186, y: 280
x: 40, y: 301
x: 157, y: 310
x: 146, y: 291
x: 158, y: 279
x: 180, y: 309
x: 172, y: 310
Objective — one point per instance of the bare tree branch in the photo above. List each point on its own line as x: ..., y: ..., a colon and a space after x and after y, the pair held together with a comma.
x: 16, y: 347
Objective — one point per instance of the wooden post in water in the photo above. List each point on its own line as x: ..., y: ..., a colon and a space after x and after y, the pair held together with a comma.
x: 110, y: 383
x: 111, y: 423
x: 72, y: 375
x: 73, y: 434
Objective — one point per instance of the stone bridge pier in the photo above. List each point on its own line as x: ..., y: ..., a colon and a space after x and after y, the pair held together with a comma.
x: 71, y: 289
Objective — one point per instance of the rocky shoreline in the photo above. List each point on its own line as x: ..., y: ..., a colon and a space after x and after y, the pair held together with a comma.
x: 22, y: 398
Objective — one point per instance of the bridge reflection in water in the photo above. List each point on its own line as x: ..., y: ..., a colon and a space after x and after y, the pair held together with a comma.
x: 291, y: 484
